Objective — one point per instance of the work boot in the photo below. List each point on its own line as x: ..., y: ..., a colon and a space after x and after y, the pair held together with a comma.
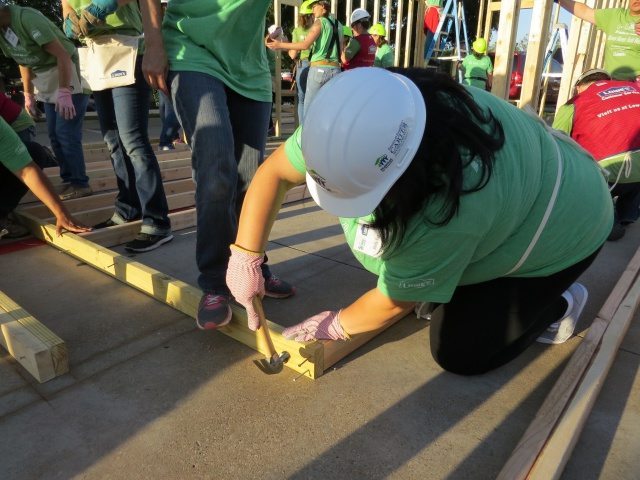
x: 70, y: 191
x: 11, y: 229
x: 274, y: 287
x: 213, y: 311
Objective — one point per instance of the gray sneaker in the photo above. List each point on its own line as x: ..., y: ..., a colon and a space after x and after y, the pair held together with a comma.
x: 213, y: 311
x: 561, y: 331
x: 70, y: 191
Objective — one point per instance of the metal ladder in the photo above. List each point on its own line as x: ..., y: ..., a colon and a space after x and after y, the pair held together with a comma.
x: 451, y: 17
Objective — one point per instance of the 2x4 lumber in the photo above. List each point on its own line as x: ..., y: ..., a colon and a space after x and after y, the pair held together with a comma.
x: 537, y: 435
x: 418, y: 51
x: 307, y: 359
x: 538, y: 35
x: 524, y: 4
x: 407, y: 46
x: 398, y: 43
x: 105, y: 199
x: 40, y: 351
x: 507, y: 27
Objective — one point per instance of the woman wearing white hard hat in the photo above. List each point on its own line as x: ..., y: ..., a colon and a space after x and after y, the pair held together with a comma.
x: 325, y: 42
x: 454, y: 197
x: 361, y: 49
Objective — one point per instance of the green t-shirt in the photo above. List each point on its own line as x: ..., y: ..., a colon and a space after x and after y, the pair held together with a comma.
x: 31, y: 30
x: 477, y: 70
x: 321, y: 45
x: 223, y: 39
x: 298, y: 35
x: 622, y: 47
x: 127, y: 20
x: 13, y: 153
x: 385, y: 56
x: 494, y: 226
x: 22, y: 122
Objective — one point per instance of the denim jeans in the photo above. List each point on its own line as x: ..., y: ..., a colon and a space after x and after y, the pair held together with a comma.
x: 66, y: 140
x: 227, y: 134
x: 170, y: 124
x: 318, y: 76
x: 627, y: 206
x: 123, y: 113
x: 27, y: 135
x: 301, y: 66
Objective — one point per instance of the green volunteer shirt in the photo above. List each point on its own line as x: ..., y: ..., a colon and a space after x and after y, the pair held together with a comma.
x: 622, y: 47
x: 223, y: 39
x: 127, y: 20
x: 22, y: 122
x: 477, y: 70
x: 494, y: 226
x: 298, y: 35
x: 13, y: 153
x: 25, y: 37
x: 385, y: 56
x: 320, y: 47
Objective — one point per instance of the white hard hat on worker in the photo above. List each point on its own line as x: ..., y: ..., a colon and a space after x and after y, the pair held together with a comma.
x: 353, y: 154
x: 358, y: 14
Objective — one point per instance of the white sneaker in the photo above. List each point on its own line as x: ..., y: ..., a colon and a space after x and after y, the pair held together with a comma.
x: 560, y: 331
x: 423, y: 310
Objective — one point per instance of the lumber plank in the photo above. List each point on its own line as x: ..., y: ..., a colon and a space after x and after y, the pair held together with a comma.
x: 507, y: 26
x: 40, y: 351
x: 534, y: 438
x: 557, y: 450
x: 305, y: 358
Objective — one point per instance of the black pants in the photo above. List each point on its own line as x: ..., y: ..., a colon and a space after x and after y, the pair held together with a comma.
x: 488, y: 324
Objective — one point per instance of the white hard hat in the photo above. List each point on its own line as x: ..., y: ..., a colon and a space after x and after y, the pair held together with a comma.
x: 358, y: 14
x: 353, y: 154
x: 275, y: 31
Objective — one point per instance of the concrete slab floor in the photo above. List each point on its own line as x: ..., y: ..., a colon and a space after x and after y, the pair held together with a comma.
x: 149, y: 396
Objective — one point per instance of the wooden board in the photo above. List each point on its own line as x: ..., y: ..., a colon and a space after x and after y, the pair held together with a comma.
x: 40, y: 351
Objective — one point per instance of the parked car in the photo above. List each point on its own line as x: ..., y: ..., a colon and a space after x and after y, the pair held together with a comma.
x: 517, y: 72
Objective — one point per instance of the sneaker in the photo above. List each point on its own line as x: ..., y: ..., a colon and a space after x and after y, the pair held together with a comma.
x: 166, y: 148
x: 11, y: 229
x: 276, y: 288
x: 145, y: 242
x: 105, y: 224
x: 560, y: 331
x: 74, y: 191
x: 213, y: 311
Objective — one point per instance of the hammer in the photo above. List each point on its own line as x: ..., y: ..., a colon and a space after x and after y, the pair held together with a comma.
x: 273, y: 362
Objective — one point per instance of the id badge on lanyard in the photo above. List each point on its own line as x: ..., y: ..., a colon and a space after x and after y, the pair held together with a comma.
x: 368, y: 241
x: 11, y: 38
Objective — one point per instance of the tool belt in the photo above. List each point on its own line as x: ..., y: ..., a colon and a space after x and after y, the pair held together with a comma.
x: 477, y: 78
x: 323, y: 63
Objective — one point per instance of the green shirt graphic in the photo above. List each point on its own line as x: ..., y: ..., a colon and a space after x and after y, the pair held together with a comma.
x: 622, y: 47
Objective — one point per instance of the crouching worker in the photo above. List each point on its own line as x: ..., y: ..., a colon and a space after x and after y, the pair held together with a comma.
x: 17, y: 174
x: 453, y: 197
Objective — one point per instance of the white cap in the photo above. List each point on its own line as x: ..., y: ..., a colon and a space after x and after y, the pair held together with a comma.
x: 358, y: 14
x: 359, y: 136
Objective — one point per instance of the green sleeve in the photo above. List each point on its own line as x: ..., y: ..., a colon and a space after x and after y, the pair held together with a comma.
x: 13, y: 153
x: 352, y: 48
x: 563, y: 120
x: 605, y: 19
x: 293, y: 150
x: 39, y: 27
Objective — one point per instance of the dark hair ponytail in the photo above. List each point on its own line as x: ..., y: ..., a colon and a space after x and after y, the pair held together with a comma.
x: 457, y: 132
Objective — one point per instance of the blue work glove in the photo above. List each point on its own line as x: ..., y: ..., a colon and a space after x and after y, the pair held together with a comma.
x: 95, y: 14
x: 71, y: 26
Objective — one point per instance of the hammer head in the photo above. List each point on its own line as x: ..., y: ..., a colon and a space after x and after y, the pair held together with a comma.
x: 274, y: 364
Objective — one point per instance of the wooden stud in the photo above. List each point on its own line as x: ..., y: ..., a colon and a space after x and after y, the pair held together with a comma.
x: 40, y: 351
x: 407, y: 45
x: 504, y: 47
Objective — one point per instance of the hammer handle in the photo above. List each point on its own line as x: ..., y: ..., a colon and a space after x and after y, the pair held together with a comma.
x: 263, y: 331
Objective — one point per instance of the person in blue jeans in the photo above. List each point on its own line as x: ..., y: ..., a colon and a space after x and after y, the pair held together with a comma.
x: 169, y: 132
x: 123, y: 113
x: 49, y: 69
x: 220, y: 83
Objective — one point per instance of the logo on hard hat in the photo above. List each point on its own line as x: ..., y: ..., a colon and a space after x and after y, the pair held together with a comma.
x: 399, y: 139
x: 383, y: 162
x: 322, y: 182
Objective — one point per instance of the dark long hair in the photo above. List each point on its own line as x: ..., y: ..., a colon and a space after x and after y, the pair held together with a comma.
x: 457, y: 133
